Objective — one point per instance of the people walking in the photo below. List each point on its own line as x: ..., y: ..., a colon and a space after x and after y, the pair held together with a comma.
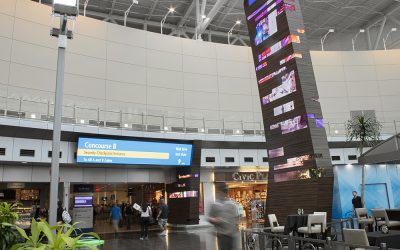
x: 145, y: 213
x: 128, y: 216
x: 162, y: 217
x: 115, y: 216
x: 224, y: 216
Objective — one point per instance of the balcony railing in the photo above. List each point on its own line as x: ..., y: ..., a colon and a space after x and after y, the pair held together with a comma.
x: 73, y: 114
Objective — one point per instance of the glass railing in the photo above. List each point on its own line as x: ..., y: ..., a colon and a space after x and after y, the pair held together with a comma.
x: 88, y: 116
x: 72, y: 114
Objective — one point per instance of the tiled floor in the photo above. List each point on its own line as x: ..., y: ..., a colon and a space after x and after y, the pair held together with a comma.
x: 194, y: 240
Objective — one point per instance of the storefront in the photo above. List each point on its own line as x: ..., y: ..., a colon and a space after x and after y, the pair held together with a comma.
x: 33, y: 198
x: 249, y: 191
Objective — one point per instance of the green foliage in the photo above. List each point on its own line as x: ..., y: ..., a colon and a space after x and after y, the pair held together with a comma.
x: 363, y: 130
x: 8, y: 234
x: 7, y: 212
x: 316, y: 172
x: 42, y: 237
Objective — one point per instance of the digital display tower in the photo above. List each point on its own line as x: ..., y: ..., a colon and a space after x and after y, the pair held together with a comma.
x: 294, y: 128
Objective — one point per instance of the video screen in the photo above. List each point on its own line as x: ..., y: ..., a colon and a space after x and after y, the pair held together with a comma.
x: 290, y: 57
x: 294, y: 162
x: 295, y: 124
x: 83, y: 201
x: 272, y: 75
x: 277, y: 152
x: 250, y: 2
x: 184, y: 194
x: 284, y: 108
x: 287, y: 87
x: 293, y: 175
x: 319, y: 123
x: 277, y: 46
x: 266, y: 28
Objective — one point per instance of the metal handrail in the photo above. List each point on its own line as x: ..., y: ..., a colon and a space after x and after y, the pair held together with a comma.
x: 249, y: 238
x: 101, y: 115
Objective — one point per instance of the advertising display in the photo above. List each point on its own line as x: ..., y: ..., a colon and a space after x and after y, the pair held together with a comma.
x: 289, y: 106
x: 105, y: 151
x: 287, y: 87
x: 183, y: 194
x: 266, y: 28
x: 83, y: 201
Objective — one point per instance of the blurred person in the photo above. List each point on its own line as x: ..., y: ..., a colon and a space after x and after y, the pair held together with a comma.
x: 145, y: 213
x: 162, y: 217
x: 60, y: 211
x: 224, y: 216
x: 128, y: 216
x: 356, y: 201
x: 115, y: 216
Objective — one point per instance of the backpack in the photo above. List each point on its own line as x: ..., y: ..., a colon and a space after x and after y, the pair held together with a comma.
x: 66, y: 217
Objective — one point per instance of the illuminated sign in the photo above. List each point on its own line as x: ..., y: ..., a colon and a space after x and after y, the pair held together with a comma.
x: 104, y: 151
x: 184, y: 194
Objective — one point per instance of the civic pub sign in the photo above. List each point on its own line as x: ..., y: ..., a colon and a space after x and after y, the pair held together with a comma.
x: 241, y: 176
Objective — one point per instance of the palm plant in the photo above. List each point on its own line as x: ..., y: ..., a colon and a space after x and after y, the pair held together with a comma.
x: 8, y: 234
x: 42, y: 238
x: 365, y: 131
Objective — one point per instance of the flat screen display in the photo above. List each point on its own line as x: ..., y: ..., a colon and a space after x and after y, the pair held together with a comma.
x: 266, y: 28
x: 106, y: 151
x: 83, y: 201
x: 287, y: 87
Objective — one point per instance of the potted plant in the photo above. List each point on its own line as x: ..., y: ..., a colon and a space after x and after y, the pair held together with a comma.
x: 9, y: 235
x: 366, y: 132
x: 43, y: 238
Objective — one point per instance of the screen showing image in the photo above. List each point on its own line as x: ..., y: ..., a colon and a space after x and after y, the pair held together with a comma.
x: 272, y: 75
x: 287, y: 87
x: 277, y: 46
x: 277, y: 152
x: 184, y: 194
x: 83, y: 201
x: 284, y: 108
x: 250, y: 2
x: 293, y: 175
x: 294, y: 162
x: 295, y: 124
x: 266, y: 28
x: 319, y: 122
x: 105, y: 151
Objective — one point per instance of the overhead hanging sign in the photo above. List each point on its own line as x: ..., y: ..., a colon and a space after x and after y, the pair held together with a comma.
x: 105, y: 151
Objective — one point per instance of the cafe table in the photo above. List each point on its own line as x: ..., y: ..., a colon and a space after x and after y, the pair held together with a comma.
x: 392, y: 239
x: 294, y: 221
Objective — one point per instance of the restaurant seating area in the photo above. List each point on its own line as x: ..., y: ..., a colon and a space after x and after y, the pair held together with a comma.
x: 368, y: 228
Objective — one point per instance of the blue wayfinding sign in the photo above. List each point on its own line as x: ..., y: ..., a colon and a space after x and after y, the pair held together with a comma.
x: 106, y: 151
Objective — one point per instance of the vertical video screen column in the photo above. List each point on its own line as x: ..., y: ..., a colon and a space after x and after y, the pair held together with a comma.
x: 287, y: 123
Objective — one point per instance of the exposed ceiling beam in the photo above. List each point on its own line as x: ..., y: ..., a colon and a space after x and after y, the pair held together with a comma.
x: 210, y: 16
x: 395, y: 20
x: 186, y: 15
x: 228, y: 12
x: 153, y: 7
x: 386, y: 12
x: 157, y: 24
x: 378, y: 38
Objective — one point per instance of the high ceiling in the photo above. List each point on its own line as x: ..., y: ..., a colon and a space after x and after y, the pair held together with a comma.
x: 221, y: 15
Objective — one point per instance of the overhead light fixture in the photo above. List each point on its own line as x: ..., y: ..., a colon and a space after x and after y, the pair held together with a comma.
x: 126, y: 125
x: 170, y: 10
x: 82, y: 121
x: 238, y: 22
x: 336, y: 131
x: 65, y: 7
x: 166, y: 128
x: 353, y: 40
x: 324, y: 37
x: 203, y: 16
x: 387, y: 37
x: 33, y: 116
x: 128, y: 10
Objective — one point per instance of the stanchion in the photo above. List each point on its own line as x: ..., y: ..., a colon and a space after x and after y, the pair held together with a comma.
x: 383, y: 246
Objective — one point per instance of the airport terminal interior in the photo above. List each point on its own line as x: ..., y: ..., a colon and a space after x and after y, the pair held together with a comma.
x: 200, y: 124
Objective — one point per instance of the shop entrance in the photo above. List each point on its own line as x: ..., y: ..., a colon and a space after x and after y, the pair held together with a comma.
x: 124, y: 195
x: 252, y: 197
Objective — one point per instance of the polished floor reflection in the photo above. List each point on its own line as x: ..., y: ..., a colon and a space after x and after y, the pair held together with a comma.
x: 204, y: 239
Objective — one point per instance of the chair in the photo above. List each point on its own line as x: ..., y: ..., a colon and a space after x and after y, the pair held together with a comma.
x: 355, y: 237
x: 316, y: 224
x: 381, y: 218
x: 325, y: 216
x: 363, y: 218
x: 273, y: 221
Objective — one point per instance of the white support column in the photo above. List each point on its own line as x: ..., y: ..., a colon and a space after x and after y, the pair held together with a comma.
x: 67, y: 193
